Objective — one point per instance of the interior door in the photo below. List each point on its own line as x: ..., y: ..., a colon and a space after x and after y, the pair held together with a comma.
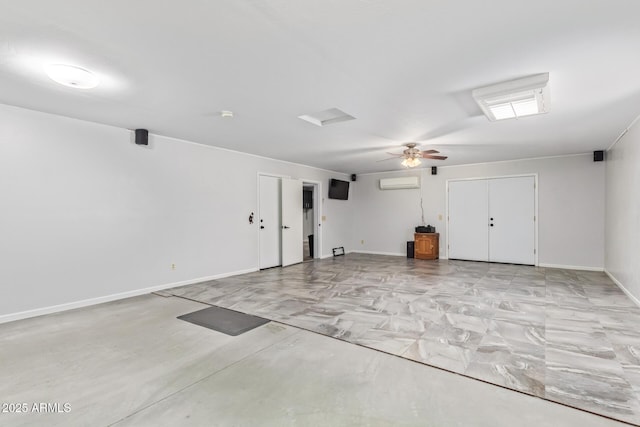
x: 291, y: 228
x: 511, y: 220
x: 270, y: 245
x: 468, y: 222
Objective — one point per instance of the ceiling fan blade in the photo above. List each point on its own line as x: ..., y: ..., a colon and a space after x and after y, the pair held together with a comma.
x: 396, y: 155
x: 384, y: 160
x: 428, y: 156
x: 430, y: 151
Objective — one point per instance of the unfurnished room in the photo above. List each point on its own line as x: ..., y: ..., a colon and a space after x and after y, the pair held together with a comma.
x: 320, y: 213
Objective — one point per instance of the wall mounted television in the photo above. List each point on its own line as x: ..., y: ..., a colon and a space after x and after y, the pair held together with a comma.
x: 338, y: 189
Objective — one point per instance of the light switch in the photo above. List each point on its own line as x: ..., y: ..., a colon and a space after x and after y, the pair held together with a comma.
x: 440, y: 217
x: 324, y: 218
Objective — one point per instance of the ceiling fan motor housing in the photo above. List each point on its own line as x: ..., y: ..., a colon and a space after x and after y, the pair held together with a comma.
x: 412, y: 152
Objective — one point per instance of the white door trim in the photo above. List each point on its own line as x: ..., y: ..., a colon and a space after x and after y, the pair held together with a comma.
x: 535, y: 192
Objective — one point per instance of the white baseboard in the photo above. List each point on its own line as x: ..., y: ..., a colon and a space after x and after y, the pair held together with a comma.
x: 621, y: 286
x: 571, y: 267
x: 99, y: 300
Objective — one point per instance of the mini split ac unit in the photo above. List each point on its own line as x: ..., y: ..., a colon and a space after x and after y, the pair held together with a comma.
x: 400, y: 183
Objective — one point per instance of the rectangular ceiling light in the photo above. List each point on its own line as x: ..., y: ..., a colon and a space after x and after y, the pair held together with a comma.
x: 327, y: 117
x: 514, y: 98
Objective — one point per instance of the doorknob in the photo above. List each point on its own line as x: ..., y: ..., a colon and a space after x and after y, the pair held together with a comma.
x: 491, y: 225
x: 285, y: 227
x: 261, y: 227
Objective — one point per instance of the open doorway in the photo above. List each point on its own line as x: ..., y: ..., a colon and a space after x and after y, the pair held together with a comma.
x: 307, y: 223
x: 311, y: 212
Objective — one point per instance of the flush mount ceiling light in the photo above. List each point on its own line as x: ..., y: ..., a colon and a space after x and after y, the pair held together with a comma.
x: 226, y: 114
x: 327, y: 117
x: 515, y: 98
x: 72, y: 76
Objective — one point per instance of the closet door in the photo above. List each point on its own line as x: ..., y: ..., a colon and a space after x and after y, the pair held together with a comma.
x: 512, y: 220
x: 468, y: 220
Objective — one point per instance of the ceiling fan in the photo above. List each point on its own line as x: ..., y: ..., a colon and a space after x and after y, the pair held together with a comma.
x: 411, y: 155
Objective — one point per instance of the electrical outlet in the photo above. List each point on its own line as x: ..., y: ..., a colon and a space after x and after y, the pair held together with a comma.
x: 173, y: 266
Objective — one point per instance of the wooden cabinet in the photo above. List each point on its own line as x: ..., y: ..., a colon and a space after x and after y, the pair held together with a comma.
x: 426, y: 245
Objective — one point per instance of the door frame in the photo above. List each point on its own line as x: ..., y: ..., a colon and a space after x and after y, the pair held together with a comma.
x: 317, y: 215
x: 535, y: 195
x: 317, y: 211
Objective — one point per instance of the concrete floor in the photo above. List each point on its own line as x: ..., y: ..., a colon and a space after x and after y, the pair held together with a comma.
x: 132, y: 363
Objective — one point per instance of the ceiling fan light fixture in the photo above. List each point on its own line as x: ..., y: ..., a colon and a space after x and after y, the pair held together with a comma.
x: 515, y: 98
x: 411, y: 162
x: 411, y: 155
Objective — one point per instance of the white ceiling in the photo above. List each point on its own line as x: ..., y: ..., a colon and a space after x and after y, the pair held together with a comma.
x: 403, y: 68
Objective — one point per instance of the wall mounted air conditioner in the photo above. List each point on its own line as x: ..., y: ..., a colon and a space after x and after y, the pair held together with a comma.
x: 400, y: 183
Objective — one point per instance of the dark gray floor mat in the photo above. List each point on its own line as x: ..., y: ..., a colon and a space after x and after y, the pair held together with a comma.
x: 223, y: 320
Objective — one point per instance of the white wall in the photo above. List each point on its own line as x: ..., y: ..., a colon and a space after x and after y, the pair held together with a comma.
x: 622, y: 227
x: 571, y: 208
x: 86, y: 214
x: 384, y: 220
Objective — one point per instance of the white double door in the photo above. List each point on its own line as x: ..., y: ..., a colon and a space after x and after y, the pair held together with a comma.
x: 492, y: 220
x: 280, y: 222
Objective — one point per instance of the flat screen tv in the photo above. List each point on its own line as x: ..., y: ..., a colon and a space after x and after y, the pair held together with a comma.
x: 338, y: 189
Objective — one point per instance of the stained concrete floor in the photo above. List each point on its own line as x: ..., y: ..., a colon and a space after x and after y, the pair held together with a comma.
x: 132, y: 363
x: 563, y: 335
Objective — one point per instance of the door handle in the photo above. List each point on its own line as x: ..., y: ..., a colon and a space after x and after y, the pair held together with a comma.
x: 491, y: 225
x: 285, y: 227
x: 261, y: 227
